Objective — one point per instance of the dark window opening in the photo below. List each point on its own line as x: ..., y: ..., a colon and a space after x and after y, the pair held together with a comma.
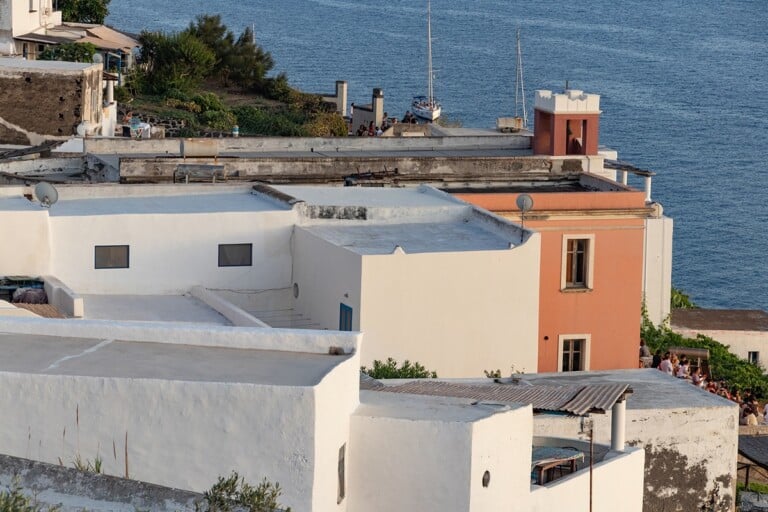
x: 111, y: 256
x: 235, y: 255
x: 573, y: 355
x: 340, y: 469
x: 576, y: 264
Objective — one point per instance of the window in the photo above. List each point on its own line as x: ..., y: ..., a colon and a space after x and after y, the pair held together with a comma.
x: 753, y: 357
x: 578, y: 262
x: 340, y: 469
x: 574, y: 352
x: 235, y: 255
x: 345, y: 317
x: 111, y: 256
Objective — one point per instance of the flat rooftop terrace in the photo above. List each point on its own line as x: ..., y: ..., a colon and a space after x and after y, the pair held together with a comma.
x: 87, y: 357
x: 431, y: 237
x: 151, y: 308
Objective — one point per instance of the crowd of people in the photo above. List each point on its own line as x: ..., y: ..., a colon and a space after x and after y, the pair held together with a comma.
x: 751, y: 413
x: 376, y: 131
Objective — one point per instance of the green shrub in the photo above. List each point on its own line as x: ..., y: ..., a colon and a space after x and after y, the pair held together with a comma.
x: 680, y: 300
x: 234, y: 492
x: 218, y: 120
x: 390, y: 370
x: 209, y: 101
x: 14, y: 500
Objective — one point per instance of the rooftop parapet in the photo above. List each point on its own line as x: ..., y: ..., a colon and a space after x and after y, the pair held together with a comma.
x: 570, y: 101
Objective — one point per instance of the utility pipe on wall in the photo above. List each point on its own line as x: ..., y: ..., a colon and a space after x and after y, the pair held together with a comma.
x: 618, y: 425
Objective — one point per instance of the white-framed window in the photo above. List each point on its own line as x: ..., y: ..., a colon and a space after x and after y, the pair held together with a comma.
x: 573, y: 352
x: 753, y: 357
x: 578, y: 262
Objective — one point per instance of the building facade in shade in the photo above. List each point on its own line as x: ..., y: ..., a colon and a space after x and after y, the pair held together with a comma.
x: 605, y: 247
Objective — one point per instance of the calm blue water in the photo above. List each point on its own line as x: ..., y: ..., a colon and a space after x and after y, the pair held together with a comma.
x: 683, y: 89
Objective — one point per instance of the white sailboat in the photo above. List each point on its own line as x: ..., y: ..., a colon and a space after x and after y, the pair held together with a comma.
x: 427, y: 107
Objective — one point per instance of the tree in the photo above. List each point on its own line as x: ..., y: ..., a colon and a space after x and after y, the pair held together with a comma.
x: 71, y: 52
x: 214, y: 34
x: 84, y: 11
x: 176, y: 61
x: 248, y: 63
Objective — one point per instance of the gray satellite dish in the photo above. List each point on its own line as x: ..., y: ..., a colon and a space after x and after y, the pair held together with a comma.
x: 46, y: 194
x: 98, y: 58
x: 525, y: 203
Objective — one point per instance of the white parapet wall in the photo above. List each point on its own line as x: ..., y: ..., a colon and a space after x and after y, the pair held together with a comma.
x: 568, y: 102
x: 431, y: 454
x: 617, y: 484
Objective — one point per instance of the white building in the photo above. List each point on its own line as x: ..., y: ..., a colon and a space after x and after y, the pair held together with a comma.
x: 180, y: 405
x: 425, y: 276
x: 744, y: 331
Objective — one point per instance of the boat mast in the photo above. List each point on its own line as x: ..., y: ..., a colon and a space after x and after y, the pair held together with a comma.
x: 430, y: 92
x: 519, y: 85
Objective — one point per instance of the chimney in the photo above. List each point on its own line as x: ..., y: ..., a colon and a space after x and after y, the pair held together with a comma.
x: 377, y: 104
x: 566, y: 123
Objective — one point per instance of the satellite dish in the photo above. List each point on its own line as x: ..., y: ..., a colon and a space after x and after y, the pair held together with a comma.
x: 46, y: 194
x: 524, y: 202
x: 98, y: 58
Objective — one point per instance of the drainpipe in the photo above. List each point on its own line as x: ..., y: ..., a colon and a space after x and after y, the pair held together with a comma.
x: 618, y: 425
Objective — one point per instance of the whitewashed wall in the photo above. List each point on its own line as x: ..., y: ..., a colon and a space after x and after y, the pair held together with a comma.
x: 438, y: 464
x: 456, y: 313
x: 289, y: 435
x: 25, y: 248
x: 617, y: 484
x: 171, y: 253
x: 688, y: 449
x: 657, y: 268
x: 501, y: 445
x: 324, y: 274
x: 336, y: 399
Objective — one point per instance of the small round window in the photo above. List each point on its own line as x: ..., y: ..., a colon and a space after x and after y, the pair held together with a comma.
x: 486, y: 478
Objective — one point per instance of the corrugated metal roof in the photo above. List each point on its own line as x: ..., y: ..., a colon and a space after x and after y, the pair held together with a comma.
x: 573, y: 399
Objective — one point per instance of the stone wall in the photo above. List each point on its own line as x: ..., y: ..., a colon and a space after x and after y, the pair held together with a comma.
x: 37, y: 105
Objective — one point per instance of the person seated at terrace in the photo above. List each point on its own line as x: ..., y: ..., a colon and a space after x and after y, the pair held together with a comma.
x: 666, y: 364
x: 697, y: 379
x: 748, y: 417
x: 656, y: 359
x: 682, y: 369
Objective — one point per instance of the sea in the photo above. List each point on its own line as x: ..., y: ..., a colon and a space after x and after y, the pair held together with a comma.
x: 683, y: 85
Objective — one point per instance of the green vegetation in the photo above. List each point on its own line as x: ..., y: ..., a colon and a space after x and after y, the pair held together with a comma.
x: 211, y: 80
x: 680, y: 300
x: 753, y: 487
x: 14, y: 500
x: 723, y: 365
x: 390, y: 370
x: 233, y: 493
x: 71, y: 52
x: 84, y: 11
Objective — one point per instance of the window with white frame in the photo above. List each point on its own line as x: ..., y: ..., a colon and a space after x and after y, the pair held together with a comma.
x: 578, y: 262
x: 573, y: 352
x: 753, y: 357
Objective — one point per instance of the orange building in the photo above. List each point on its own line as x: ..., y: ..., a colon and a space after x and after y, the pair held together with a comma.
x: 603, y: 244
